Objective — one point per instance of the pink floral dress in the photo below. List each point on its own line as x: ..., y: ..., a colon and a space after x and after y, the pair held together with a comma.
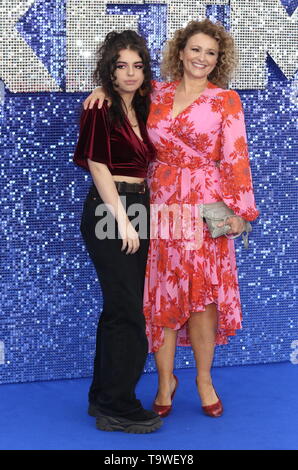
x: 202, y: 157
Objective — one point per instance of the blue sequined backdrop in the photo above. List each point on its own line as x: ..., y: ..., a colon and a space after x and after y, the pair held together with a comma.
x: 50, y: 299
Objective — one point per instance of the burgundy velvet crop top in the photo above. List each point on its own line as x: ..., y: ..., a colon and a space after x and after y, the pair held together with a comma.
x: 117, y: 146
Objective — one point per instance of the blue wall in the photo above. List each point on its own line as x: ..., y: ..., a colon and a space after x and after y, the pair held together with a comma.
x: 50, y: 298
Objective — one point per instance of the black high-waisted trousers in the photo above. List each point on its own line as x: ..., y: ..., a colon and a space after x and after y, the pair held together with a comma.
x: 121, y: 342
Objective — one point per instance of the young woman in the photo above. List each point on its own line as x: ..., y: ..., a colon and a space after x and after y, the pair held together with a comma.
x: 114, y: 146
x: 191, y: 296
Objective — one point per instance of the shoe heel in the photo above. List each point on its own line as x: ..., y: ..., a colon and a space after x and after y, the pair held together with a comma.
x: 164, y: 410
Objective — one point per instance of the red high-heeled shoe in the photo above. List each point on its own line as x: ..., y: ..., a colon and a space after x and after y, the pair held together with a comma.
x: 165, y: 410
x: 215, y: 410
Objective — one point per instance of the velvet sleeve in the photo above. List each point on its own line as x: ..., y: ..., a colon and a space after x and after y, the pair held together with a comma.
x: 94, y: 137
x: 235, y: 172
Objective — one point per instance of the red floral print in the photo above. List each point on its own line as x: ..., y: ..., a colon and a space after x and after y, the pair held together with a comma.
x: 202, y: 157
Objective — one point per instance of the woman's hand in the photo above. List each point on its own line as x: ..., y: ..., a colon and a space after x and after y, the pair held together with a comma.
x: 107, y: 190
x: 129, y: 236
x: 97, y: 94
x: 236, y: 223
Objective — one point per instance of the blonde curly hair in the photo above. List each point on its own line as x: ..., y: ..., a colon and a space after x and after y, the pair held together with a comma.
x: 172, y: 66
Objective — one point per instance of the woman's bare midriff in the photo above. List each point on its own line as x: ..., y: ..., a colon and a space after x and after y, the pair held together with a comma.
x: 128, y: 179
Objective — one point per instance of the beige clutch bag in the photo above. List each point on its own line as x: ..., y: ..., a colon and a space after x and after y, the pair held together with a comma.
x: 217, y: 212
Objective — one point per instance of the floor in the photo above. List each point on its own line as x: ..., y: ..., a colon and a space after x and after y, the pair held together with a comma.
x: 260, y: 403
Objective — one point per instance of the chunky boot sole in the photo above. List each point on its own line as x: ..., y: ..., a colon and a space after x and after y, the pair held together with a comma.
x: 111, y: 423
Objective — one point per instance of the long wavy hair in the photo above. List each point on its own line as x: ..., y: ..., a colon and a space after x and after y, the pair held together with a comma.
x: 104, y: 74
x: 172, y: 66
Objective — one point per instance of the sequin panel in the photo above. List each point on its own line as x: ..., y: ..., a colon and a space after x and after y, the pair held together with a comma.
x: 50, y: 296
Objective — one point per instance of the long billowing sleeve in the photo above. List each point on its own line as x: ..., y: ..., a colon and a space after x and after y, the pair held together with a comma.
x: 94, y: 137
x: 235, y: 173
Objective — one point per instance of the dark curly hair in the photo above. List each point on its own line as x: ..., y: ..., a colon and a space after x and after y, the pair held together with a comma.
x: 104, y: 74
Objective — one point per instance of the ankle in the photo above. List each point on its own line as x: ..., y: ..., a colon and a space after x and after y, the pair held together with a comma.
x: 164, y: 389
x: 165, y: 380
x: 203, y: 380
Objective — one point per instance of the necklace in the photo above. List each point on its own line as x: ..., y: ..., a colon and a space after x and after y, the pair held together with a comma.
x: 132, y: 125
x: 130, y: 109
